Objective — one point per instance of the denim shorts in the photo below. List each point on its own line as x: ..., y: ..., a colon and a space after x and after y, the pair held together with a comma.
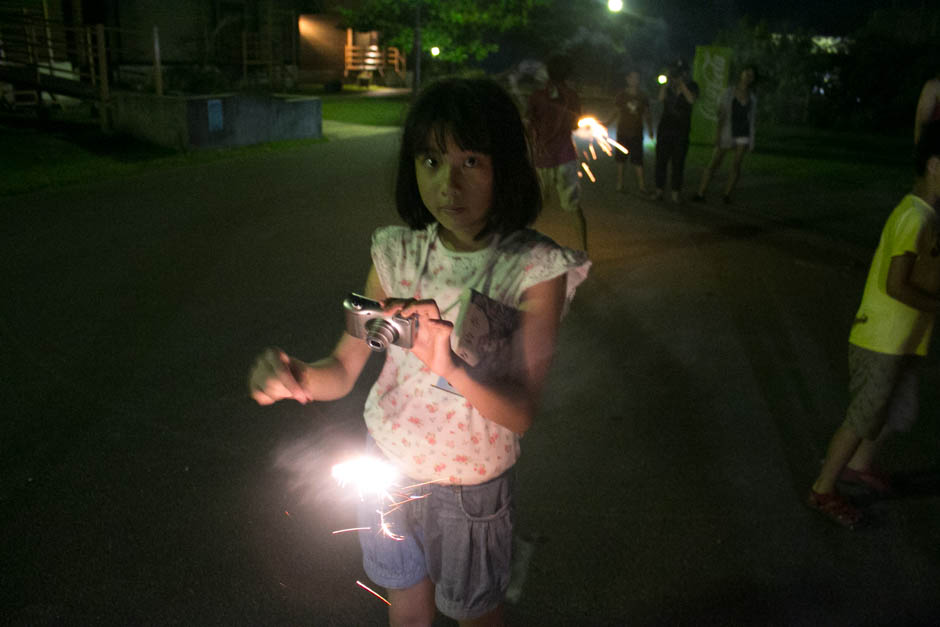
x: 883, y: 391
x: 460, y: 537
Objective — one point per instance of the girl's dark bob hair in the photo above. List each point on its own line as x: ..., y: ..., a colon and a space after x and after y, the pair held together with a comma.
x: 481, y: 117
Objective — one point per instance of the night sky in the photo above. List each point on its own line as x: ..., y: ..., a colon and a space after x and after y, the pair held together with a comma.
x: 693, y: 22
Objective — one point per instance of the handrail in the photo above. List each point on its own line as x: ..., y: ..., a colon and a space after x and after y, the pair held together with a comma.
x: 59, y: 58
x: 374, y: 58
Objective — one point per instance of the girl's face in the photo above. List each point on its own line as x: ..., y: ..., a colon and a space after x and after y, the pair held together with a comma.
x: 457, y: 188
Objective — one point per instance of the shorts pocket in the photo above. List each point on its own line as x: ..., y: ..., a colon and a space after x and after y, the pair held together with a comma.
x: 486, y: 502
x: 471, y: 547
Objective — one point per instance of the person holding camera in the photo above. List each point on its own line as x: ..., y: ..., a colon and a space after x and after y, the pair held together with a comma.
x: 737, y: 120
x: 677, y: 96
x: 467, y: 191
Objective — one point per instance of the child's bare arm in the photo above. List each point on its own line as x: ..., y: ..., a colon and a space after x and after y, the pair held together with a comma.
x: 276, y: 375
x: 511, y: 403
x: 900, y: 287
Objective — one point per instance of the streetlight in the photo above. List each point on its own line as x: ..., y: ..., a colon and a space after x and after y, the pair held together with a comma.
x: 435, y: 51
x: 615, y: 6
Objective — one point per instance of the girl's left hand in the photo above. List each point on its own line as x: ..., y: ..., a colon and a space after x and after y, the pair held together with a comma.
x: 431, y: 343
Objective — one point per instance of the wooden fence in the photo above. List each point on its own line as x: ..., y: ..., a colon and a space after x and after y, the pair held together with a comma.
x: 374, y: 59
x: 40, y: 55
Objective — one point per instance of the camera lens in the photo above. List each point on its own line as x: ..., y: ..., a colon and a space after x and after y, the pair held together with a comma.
x: 380, y: 334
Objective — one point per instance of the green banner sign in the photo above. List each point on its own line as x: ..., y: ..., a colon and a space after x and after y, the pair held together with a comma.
x: 710, y: 70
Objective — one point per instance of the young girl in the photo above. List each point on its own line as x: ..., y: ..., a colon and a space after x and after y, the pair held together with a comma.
x: 737, y: 115
x: 467, y: 191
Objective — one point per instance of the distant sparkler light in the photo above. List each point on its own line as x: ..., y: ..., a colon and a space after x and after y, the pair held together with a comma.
x: 592, y: 130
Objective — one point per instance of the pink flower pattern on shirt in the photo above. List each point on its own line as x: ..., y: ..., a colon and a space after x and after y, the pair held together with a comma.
x: 431, y: 434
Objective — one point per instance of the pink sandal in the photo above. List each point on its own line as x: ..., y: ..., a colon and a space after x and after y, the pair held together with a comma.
x: 877, y: 482
x: 834, y: 507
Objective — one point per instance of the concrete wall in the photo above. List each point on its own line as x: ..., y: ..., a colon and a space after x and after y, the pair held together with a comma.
x: 187, y: 122
x: 160, y: 121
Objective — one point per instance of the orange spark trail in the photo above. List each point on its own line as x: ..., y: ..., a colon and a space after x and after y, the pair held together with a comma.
x: 618, y: 146
x: 368, y: 589
x: 351, y: 529
x: 588, y: 170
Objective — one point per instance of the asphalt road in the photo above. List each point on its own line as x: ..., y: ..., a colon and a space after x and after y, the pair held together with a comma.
x: 698, y: 377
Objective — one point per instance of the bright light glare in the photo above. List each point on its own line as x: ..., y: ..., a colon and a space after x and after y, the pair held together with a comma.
x: 662, y: 79
x: 589, y: 128
x: 435, y: 51
x: 368, y: 474
x: 615, y: 6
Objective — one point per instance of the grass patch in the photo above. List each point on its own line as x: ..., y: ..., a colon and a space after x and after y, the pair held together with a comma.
x: 373, y: 111
x: 69, y: 148
x: 820, y: 157
x: 60, y: 152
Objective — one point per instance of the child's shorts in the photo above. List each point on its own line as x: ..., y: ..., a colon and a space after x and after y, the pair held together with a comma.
x: 561, y: 188
x: 458, y: 536
x: 883, y: 391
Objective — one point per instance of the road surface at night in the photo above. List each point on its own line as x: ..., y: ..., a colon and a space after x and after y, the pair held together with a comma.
x: 699, y: 375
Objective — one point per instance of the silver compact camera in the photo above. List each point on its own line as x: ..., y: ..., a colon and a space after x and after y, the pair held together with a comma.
x: 365, y: 319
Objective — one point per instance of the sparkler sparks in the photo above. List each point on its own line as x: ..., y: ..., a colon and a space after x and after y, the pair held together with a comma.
x: 368, y: 474
x: 588, y: 170
x: 371, y: 476
x: 368, y: 589
x: 351, y: 529
x: 374, y: 477
x: 589, y: 128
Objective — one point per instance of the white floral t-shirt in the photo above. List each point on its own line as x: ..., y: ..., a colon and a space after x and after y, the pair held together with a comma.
x: 428, y: 432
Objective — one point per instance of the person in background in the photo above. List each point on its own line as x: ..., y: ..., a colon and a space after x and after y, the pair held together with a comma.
x: 552, y: 114
x: 889, y: 340
x: 677, y: 96
x: 928, y: 106
x: 633, y: 113
x: 737, y: 115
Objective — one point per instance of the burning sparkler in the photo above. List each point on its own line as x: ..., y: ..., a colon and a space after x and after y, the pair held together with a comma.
x: 374, y: 477
x: 589, y: 128
x: 368, y: 474
x: 596, y: 131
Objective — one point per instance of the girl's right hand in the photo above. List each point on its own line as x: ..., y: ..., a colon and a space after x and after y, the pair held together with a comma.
x: 276, y: 376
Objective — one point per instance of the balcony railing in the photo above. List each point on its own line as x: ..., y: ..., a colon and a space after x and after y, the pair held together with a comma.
x: 374, y: 59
